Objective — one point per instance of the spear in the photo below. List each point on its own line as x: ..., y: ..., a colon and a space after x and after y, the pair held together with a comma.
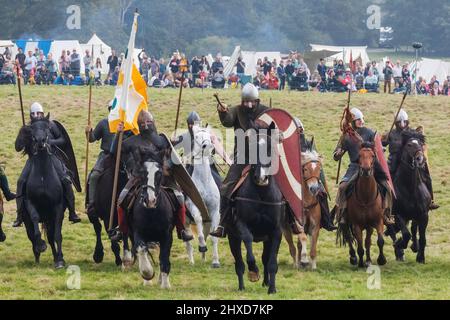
x: 346, y: 111
x: 179, y: 103
x: 19, y: 85
x: 89, y: 124
x: 398, y: 112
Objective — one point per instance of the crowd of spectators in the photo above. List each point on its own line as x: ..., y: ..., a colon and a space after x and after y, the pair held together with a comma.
x: 292, y: 73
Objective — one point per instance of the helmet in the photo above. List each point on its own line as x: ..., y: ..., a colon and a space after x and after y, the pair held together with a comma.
x: 402, y: 116
x: 35, y: 109
x: 193, y: 118
x: 357, y: 114
x: 250, y: 93
x: 143, y: 117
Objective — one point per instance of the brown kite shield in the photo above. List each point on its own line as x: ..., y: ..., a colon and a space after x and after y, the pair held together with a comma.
x: 289, y: 177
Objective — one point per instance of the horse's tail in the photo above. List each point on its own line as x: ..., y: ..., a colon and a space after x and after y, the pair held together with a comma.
x: 344, y: 235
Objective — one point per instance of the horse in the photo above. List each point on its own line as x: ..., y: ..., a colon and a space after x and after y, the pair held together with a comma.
x: 102, y: 205
x: 258, y: 210
x: 365, y: 209
x: 413, y: 198
x: 44, y: 202
x: 209, y: 191
x: 152, y: 217
x: 311, y: 186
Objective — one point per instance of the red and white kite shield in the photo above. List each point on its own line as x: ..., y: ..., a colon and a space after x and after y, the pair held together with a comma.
x: 289, y: 177
x: 382, y: 161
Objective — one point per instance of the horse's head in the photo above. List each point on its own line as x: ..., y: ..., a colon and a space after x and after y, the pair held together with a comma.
x: 40, y: 131
x: 413, y: 152
x: 202, y: 142
x: 367, y: 159
x: 263, y: 168
x: 151, y: 173
x: 312, y: 166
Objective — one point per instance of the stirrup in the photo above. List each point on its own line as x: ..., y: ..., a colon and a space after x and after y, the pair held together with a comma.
x: 219, y: 232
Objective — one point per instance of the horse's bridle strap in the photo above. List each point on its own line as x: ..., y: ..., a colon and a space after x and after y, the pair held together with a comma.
x: 266, y: 203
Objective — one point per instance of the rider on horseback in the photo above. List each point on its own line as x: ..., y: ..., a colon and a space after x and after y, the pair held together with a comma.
x: 148, y: 138
x: 394, y: 141
x: 186, y: 142
x: 352, y: 144
x: 326, y: 221
x: 57, y: 141
x: 101, y: 132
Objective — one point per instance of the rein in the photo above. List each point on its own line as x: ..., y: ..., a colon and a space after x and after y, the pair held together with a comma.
x: 372, y: 202
x: 266, y: 203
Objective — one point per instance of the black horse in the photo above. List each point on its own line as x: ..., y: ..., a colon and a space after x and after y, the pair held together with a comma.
x: 258, y: 211
x: 413, y: 198
x: 152, y: 216
x: 44, y: 201
x: 102, y: 205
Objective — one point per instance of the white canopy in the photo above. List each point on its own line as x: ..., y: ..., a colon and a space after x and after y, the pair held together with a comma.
x: 344, y: 52
x: 8, y: 44
x: 427, y: 68
x: 250, y: 59
x: 101, y: 50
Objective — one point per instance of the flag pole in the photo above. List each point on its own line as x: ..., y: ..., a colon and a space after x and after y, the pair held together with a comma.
x: 116, y: 180
x: 19, y: 85
x: 89, y: 124
x: 179, y: 103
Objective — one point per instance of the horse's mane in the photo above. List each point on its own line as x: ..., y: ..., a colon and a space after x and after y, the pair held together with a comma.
x: 25, y: 136
x: 412, y: 134
x: 311, y: 156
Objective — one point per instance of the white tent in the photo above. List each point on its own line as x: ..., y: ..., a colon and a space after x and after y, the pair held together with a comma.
x: 427, y: 68
x: 344, y: 53
x: 68, y: 45
x: 250, y: 59
x: 8, y: 44
x: 101, y: 50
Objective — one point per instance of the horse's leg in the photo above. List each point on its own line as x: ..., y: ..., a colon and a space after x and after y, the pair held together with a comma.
x: 314, y: 241
x: 30, y: 233
x: 422, y: 240
x: 39, y: 244
x: 359, y: 239
x: 415, y: 244
x: 303, y: 251
x: 202, y: 247
x: 98, y: 252
x: 127, y: 259
x: 292, y: 249
x: 274, y: 242
x: 164, y: 260
x: 215, y: 219
x: 247, y: 238
x: 368, y: 244
x: 59, y: 263
x: 401, y: 243
x: 381, y: 261
x: 265, y: 260
x: 190, y: 251
x: 351, y: 251
x: 145, y: 266
x: 239, y: 266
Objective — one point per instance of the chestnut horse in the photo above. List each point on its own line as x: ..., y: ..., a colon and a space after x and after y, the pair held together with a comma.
x: 311, y: 186
x: 365, y: 210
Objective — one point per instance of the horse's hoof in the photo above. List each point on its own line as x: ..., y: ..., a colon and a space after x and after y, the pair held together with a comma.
x: 2, y: 236
x: 272, y: 291
x: 381, y: 261
x: 241, y: 288
x: 148, y: 283
x: 353, y: 261
x: 98, y: 256
x: 147, y: 275
x: 202, y: 249
x: 118, y: 262
x: 60, y: 264
x: 304, y: 265
x: 253, y: 276
x: 216, y: 265
x: 367, y: 264
x: 414, y: 247
x: 420, y: 260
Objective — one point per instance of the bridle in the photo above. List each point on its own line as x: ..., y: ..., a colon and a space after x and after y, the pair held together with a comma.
x: 372, y: 202
x: 412, y: 165
x: 305, y: 181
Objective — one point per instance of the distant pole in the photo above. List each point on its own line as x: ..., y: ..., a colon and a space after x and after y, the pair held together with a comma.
x: 179, y: 103
x: 91, y: 78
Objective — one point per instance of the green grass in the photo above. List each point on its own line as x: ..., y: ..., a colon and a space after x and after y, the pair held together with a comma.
x: 20, y: 278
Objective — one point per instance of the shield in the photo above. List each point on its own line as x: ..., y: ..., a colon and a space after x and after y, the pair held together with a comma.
x: 289, y: 177
x: 218, y: 147
x: 184, y: 180
x: 68, y: 157
x: 382, y: 161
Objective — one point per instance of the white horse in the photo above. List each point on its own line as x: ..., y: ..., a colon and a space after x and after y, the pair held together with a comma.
x: 203, y: 179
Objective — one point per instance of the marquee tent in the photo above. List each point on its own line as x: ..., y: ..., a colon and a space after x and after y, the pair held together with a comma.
x: 101, y: 50
x: 344, y: 53
x: 250, y: 59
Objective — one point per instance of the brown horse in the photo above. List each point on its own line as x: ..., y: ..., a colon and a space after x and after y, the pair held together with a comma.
x: 365, y: 209
x: 311, y: 186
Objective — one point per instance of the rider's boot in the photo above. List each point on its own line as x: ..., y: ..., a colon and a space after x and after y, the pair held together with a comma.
x: 180, y: 221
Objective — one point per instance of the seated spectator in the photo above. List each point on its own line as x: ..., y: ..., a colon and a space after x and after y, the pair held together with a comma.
x: 155, y: 81
x: 233, y: 81
x: 445, y: 90
x: 300, y: 80
x: 218, y: 80
x: 423, y: 88
x: 115, y: 77
x: 339, y: 70
x: 433, y: 81
x: 435, y: 90
x: 273, y: 81
x: 359, y: 79
x: 216, y: 66
x: 371, y: 82
x: 400, y: 86
x: 316, y: 79
x: 7, y: 75
x: 180, y: 80
x: 168, y: 81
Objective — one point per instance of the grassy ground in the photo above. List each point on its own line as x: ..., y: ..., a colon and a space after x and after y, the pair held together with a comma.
x: 20, y: 278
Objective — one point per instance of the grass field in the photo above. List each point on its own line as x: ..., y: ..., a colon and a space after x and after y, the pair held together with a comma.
x: 20, y: 278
